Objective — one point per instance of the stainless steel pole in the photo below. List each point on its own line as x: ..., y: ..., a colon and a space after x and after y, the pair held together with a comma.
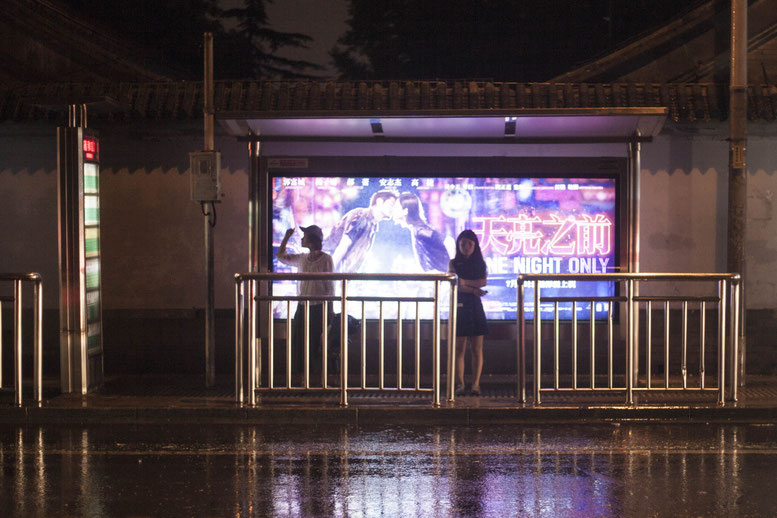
x: 239, y: 316
x: 17, y: 340
x: 38, y: 338
x: 635, y: 166
x: 737, y: 171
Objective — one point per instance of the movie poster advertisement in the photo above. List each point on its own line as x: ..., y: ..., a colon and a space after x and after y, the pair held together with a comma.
x: 409, y: 225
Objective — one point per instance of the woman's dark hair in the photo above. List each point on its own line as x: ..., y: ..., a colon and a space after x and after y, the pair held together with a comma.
x: 415, y: 211
x: 477, y: 255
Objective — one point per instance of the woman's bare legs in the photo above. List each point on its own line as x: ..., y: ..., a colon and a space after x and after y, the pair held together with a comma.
x: 461, y: 347
x: 476, y: 356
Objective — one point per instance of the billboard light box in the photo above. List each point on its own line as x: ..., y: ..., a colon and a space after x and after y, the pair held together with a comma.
x: 408, y: 224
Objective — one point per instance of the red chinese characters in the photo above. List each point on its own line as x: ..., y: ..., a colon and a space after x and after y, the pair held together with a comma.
x: 583, y: 235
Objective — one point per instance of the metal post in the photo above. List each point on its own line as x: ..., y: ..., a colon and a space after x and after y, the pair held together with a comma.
x: 635, y: 166
x: 537, y: 339
x: 38, y: 338
x: 417, y: 348
x: 270, y: 347
x: 574, y: 344
x: 737, y: 172
x: 722, y: 296
x: 210, y: 313
x: 343, y: 344
x: 381, y: 347
x: 239, y: 315
x: 630, y: 342
x: 399, y: 345
x: 436, y: 346
x: 253, y: 206
x: 452, y: 317
x: 252, y: 342
x: 17, y: 340
x: 521, y: 343
x: 735, y: 334
x: 592, y: 359
x: 324, y: 343
x: 1, y: 343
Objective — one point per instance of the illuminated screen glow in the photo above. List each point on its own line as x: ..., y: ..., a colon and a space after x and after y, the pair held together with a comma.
x: 524, y: 224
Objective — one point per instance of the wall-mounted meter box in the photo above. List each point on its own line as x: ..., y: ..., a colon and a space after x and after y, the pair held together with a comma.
x: 205, y: 169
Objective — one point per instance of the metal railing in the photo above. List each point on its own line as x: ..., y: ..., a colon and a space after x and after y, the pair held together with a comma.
x: 728, y: 294
x: 17, y: 279
x: 246, y: 315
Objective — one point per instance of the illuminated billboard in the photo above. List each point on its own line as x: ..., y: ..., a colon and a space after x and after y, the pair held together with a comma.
x: 408, y: 224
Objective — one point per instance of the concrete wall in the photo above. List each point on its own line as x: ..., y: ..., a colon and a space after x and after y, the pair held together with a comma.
x: 152, y: 233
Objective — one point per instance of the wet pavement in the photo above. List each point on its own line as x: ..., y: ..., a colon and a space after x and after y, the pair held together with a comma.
x: 184, y: 400
x: 594, y: 469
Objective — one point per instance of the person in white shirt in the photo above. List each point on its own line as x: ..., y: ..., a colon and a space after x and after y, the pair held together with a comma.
x: 314, y: 261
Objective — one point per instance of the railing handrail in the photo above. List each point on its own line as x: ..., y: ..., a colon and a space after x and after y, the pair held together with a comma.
x: 647, y: 276
x: 334, y: 276
x: 17, y: 279
x: 245, y: 313
x: 729, y: 286
x: 31, y: 276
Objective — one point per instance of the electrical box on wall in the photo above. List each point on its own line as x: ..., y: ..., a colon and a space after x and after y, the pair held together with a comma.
x: 205, y: 169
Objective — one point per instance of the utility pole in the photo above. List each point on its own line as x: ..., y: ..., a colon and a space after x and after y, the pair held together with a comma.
x: 206, y: 190
x: 737, y: 162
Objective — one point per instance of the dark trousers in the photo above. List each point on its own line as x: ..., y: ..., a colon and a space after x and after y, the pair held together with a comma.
x: 315, y: 323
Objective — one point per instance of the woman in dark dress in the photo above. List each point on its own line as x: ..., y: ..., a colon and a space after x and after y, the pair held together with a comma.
x: 471, y: 322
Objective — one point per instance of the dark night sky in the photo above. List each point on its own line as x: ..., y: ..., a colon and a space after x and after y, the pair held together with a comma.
x: 323, y: 20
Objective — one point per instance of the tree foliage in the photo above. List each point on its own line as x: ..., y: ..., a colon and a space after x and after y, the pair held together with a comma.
x: 503, y: 40
x: 172, y: 31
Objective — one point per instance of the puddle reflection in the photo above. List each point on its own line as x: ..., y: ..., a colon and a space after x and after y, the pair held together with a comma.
x: 600, y: 470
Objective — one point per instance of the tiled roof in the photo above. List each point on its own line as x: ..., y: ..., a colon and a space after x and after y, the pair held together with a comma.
x: 686, y: 102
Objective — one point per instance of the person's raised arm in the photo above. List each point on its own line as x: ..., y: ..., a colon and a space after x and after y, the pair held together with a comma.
x: 282, y: 247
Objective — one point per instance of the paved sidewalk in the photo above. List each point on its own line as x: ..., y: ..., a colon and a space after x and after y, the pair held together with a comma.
x: 184, y: 399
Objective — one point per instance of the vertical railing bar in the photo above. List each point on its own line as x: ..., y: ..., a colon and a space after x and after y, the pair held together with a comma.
x: 364, y: 345
x: 684, y: 366
x: 521, y: 342
x: 325, y: 344
x: 593, y: 344
x: 399, y: 345
x: 239, y: 339
x: 270, y: 346
x: 1, y: 344
x: 38, y: 338
x: 288, y: 343
x: 721, y: 342
x: 702, y: 341
x: 609, y: 344
x: 649, y: 345
x: 556, y: 339
x: 381, y: 348
x: 17, y: 334
x: 306, y: 345
x: 666, y: 344
x: 734, y: 286
x: 417, y: 345
x: 452, y: 316
x: 252, y: 342
x: 436, y: 346
x: 537, y: 339
x: 630, y: 342
x: 574, y: 344
x: 344, y: 344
